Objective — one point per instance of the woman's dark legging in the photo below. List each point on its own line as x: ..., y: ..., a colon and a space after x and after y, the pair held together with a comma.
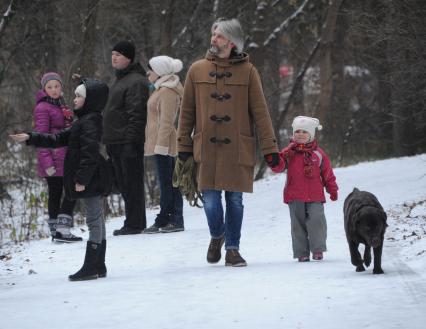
x: 55, y: 186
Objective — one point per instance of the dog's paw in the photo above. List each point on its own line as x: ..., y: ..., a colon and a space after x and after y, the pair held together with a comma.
x: 378, y: 271
x: 360, y: 268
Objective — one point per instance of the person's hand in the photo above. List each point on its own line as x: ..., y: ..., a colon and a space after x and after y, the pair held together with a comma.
x: 21, y: 137
x: 76, y: 76
x: 67, y: 113
x: 79, y: 187
x: 183, y: 156
x: 333, y: 196
x: 50, y: 171
x: 272, y: 159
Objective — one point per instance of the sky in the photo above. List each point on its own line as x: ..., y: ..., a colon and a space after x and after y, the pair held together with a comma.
x: 163, y: 280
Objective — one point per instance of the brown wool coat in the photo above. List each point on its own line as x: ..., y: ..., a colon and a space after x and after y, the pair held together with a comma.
x: 223, y: 103
x: 160, y: 131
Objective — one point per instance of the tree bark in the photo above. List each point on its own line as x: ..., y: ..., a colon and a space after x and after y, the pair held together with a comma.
x: 326, y: 69
x: 88, y: 27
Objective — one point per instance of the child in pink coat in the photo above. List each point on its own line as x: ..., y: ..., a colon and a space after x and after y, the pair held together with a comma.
x: 308, y: 172
x: 51, y: 115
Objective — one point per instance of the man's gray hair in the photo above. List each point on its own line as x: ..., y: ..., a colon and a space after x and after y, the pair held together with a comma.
x: 232, y: 30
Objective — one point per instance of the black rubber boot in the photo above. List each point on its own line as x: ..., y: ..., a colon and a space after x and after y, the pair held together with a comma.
x: 102, y: 270
x: 89, y: 271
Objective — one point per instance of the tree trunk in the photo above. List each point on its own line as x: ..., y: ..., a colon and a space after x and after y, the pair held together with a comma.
x: 49, y: 62
x: 88, y: 27
x: 326, y: 69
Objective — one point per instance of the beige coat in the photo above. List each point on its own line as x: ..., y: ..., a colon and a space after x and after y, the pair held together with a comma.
x: 163, y: 107
x: 223, y: 104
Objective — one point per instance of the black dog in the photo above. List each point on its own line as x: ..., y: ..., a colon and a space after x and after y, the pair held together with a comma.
x: 365, y: 222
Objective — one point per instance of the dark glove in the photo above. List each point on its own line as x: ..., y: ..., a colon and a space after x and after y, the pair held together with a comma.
x: 183, y: 156
x: 333, y: 196
x: 272, y: 159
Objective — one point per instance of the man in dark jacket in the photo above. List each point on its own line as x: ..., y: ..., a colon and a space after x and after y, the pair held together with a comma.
x: 124, y: 133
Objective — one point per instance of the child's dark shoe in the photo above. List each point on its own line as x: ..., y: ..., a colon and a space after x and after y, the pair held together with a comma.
x: 303, y: 259
x: 317, y: 255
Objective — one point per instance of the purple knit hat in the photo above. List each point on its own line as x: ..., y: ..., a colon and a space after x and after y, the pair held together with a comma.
x: 50, y: 76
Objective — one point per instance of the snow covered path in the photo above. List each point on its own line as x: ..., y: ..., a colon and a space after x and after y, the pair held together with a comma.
x: 163, y: 280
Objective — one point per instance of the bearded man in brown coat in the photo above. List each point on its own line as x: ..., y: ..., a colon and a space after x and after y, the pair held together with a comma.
x: 222, y: 107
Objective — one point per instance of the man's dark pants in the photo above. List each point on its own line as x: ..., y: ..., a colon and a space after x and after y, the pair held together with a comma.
x: 127, y: 160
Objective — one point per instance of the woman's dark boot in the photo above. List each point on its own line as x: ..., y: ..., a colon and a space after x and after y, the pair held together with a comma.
x: 52, y: 226
x: 89, y: 271
x: 102, y: 270
x: 63, y: 230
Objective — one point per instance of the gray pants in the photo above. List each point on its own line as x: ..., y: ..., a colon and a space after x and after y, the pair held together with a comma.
x: 308, y: 227
x: 95, y: 218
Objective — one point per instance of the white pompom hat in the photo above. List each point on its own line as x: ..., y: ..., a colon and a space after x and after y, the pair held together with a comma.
x: 163, y: 65
x: 308, y: 124
x: 81, y: 90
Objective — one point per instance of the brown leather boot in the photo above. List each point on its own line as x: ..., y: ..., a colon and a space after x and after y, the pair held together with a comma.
x: 213, y: 253
x: 233, y: 258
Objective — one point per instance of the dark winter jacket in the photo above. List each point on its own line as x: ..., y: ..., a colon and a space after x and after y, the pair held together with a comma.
x: 125, y: 113
x: 83, y: 162
x: 49, y: 118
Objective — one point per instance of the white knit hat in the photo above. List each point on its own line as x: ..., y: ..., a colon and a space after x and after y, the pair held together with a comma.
x: 163, y: 65
x: 308, y: 124
x: 81, y: 90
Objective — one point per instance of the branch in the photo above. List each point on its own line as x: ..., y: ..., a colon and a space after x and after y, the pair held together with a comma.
x: 6, y: 16
x: 215, y: 8
x: 91, y: 10
x: 284, y: 25
x: 185, y: 28
x: 297, y: 83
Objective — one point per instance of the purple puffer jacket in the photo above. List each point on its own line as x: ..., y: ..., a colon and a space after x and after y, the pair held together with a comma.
x: 48, y: 118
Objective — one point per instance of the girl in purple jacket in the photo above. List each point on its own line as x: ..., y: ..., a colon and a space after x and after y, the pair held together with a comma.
x: 51, y: 116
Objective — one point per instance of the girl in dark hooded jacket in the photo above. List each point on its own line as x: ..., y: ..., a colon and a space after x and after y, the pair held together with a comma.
x: 86, y: 174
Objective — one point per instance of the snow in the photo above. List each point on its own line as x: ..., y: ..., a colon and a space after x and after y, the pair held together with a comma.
x: 163, y: 280
x: 355, y: 71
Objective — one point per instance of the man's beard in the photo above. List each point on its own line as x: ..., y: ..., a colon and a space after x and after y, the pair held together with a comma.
x: 214, y: 50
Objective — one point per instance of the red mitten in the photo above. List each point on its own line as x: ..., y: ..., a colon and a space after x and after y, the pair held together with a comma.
x: 333, y: 196
x: 68, y: 114
x: 272, y: 159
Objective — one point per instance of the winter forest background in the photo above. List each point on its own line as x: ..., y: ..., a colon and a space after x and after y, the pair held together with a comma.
x: 359, y: 66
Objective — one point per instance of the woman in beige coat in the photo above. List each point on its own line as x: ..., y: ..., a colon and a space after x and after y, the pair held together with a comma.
x: 160, y: 139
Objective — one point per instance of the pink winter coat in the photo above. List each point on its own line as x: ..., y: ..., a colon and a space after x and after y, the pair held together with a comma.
x: 302, y: 188
x: 49, y: 118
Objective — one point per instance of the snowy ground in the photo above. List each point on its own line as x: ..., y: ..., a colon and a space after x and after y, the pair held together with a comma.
x: 163, y: 281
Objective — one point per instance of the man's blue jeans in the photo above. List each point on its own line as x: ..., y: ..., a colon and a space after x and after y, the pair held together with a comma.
x: 230, y: 224
x: 171, y: 202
